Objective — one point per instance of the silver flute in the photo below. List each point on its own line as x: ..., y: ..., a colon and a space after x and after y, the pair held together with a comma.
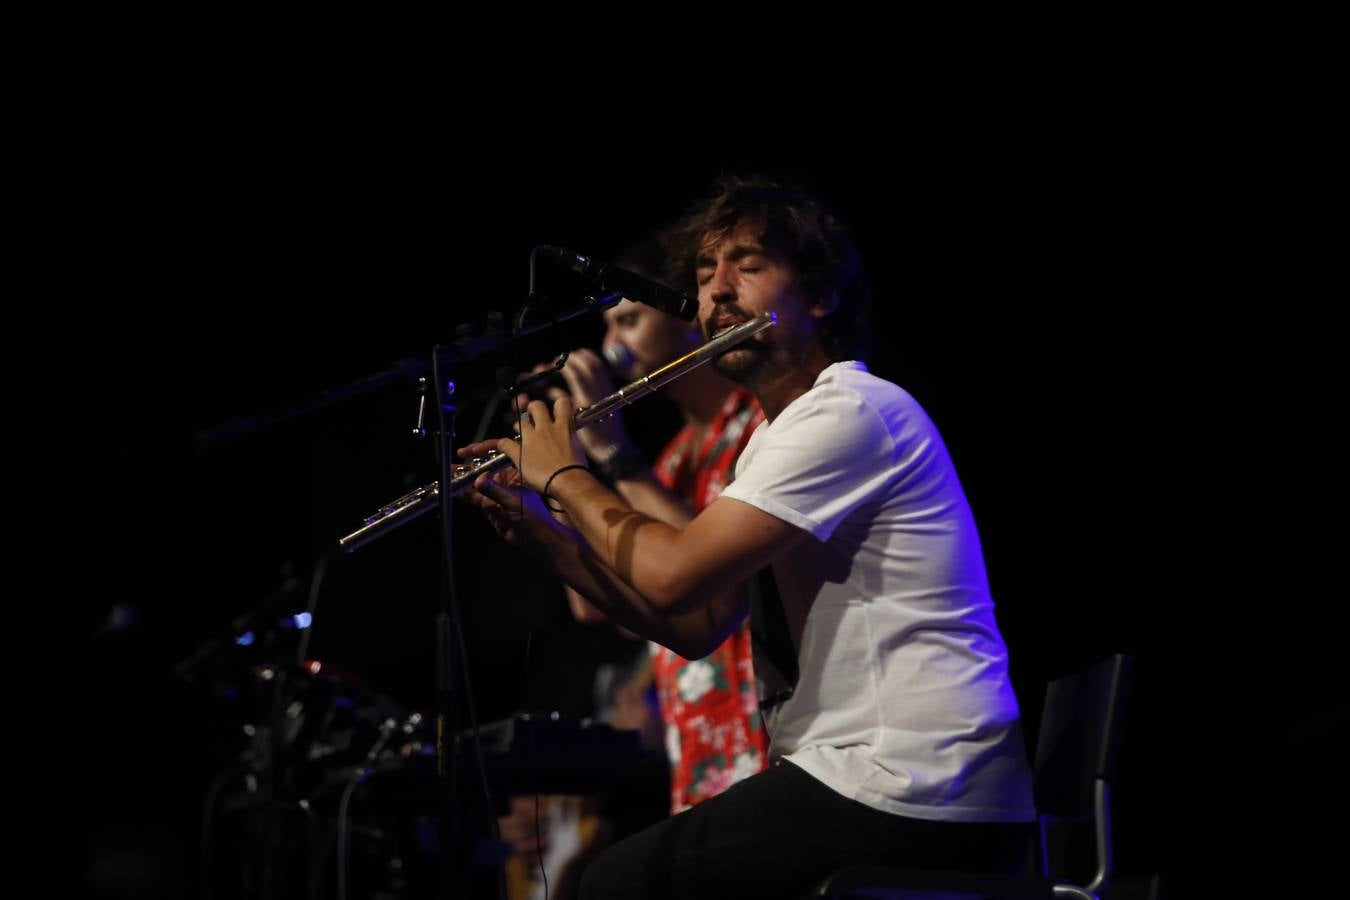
x: 414, y: 504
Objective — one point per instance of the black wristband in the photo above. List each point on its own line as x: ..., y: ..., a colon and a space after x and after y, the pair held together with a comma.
x: 624, y: 462
x: 544, y: 493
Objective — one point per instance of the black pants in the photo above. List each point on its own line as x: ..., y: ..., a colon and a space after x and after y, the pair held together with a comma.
x: 779, y: 832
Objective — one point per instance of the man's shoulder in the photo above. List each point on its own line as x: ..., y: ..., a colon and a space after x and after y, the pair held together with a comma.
x: 853, y: 378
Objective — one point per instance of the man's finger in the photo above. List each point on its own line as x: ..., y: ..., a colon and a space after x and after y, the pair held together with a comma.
x: 569, y: 375
x: 509, y: 447
x: 480, y: 449
x: 539, y: 412
x: 501, y: 503
x: 563, y: 408
x: 588, y: 359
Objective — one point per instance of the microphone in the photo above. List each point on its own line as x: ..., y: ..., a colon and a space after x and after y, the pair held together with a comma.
x: 620, y: 359
x: 613, y: 279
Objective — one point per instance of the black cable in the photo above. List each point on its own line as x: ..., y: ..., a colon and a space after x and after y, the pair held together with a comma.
x: 363, y: 771
x: 320, y: 861
x: 208, y: 817
x: 312, y: 606
x: 342, y: 837
x: 538, y: 835
x: 539, y: 845
x: 478, y: 752
x: 529, y: 639
x: 531, y: 298
x: 485, y: 420
x: 446, y: 440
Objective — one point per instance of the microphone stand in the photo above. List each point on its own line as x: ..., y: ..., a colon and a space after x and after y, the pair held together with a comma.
x: 447, y: 625
x: 451, y: 662
x: 272, y: 746
x: 398, y: 372
x: 450, y: 655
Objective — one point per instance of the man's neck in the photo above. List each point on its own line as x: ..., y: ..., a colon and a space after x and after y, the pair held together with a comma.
x: 775, y: 389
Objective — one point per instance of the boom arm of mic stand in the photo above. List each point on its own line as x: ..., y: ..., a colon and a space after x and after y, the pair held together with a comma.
x: 401, y: 371
x: 217, y: 435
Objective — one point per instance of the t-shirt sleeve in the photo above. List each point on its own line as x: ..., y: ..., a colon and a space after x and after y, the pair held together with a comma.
x: 818, y: 461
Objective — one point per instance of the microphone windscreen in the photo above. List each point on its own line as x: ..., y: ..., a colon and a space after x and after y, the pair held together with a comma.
x: 620, y: 359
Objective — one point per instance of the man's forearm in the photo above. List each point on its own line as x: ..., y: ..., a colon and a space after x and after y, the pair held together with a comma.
x: 691, y: 634
x: 640, y: 549
x: 649, y: 497
x: 706, y: 564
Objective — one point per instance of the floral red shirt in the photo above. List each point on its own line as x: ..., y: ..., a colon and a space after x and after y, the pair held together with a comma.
x: 714, y: 736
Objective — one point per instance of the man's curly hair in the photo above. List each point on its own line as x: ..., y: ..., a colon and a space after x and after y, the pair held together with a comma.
x: 807, y: 235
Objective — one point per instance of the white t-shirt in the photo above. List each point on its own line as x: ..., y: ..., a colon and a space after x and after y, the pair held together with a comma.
x: 903, y: 700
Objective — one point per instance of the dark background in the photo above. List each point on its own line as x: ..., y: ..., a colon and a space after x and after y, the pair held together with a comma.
x: 1106, y: 251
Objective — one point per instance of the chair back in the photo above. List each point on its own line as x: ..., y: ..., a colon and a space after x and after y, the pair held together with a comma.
x: 1080, y: 735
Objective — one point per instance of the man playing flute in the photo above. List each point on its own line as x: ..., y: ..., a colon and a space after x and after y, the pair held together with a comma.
x: 847, y: 539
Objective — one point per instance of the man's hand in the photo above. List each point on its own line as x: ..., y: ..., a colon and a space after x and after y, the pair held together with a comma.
x: 520, y: 828
x: 547, y: 442
x: 514, y: 511
x: 588, y: 382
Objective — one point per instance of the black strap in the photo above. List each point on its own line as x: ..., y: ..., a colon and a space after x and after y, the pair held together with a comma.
x: 772, y: 640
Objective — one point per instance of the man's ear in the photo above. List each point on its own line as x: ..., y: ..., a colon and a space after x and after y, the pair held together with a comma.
x: 823, y: 308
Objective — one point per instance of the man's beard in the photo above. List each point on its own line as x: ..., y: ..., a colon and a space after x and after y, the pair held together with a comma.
x: 742, y: 362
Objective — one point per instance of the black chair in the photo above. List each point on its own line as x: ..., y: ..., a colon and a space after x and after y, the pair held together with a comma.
x: 1075, y: 763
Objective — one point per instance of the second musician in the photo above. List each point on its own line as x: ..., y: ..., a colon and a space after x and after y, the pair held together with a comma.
x: 710, y: 713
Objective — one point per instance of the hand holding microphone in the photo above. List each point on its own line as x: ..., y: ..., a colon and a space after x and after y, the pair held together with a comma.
x: 586, y: 378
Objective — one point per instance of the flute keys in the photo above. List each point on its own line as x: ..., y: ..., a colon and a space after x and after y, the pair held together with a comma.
x: 468, y: 466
